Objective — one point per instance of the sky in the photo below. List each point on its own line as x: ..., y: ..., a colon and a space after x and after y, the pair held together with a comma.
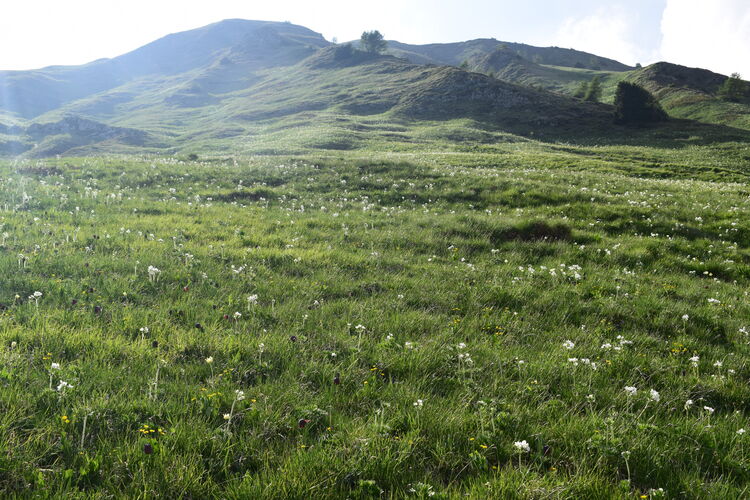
x: 713, y: 34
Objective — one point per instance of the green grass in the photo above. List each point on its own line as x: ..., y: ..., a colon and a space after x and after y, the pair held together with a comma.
x: 438, y: 288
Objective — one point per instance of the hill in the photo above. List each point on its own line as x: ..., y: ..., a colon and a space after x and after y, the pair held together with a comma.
x: 254, y: 44
x: 688, y: 93
x: 256, y: 86
x: 271, y: 85
x: 692, y: 93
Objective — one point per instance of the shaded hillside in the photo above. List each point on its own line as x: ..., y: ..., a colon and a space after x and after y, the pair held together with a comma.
x: 675, y: 85
x: 48, y: 139
x: 692, y: 93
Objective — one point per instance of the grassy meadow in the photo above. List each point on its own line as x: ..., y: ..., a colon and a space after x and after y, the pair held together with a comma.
x: 523, y: 321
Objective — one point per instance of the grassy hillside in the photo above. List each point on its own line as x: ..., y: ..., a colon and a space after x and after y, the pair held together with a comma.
x: 692, y: 93
x: 203, y: 109
x: 540, y: 321
x: 687, y: 93
x: 342, y: 99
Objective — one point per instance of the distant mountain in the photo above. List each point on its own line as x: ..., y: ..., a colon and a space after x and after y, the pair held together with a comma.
x: 255, y: 86
x: 473, y: 51
x: 252, y: 44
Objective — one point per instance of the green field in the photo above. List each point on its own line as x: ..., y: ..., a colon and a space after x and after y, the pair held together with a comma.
x: 525, y: 320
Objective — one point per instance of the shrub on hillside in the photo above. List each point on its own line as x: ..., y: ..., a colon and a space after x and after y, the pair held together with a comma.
x: 733, y: 89
x: 343, y: 52
x: 634, y: 104
x: 372, y: 41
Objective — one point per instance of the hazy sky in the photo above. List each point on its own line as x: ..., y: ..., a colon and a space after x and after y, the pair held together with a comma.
x: 713, y: 34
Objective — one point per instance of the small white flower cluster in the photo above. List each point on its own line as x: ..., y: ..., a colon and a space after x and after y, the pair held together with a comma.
x: 63, y: 385
x: 464, y: 357
x: 571, y: 273
x: 153, y: 273
x: 632, y: 391
x: 617, y: 346
x: 522, y: 446
x: 583, y: 361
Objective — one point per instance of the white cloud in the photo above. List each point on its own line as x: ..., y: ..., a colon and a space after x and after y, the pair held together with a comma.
x: 608, y: 32
x: 713, y: 34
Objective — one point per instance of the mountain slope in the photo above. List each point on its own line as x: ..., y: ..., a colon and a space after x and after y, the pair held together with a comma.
x: 507, y: 65
x: 337, y: 85
x: 270, y: 78
x: 256, y: 44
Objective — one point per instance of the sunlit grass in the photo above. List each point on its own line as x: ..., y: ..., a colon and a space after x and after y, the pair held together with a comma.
x: 398, y: 325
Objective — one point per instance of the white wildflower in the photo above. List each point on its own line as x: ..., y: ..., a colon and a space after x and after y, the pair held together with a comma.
x: 63, y: 385
x: 522, y: 446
